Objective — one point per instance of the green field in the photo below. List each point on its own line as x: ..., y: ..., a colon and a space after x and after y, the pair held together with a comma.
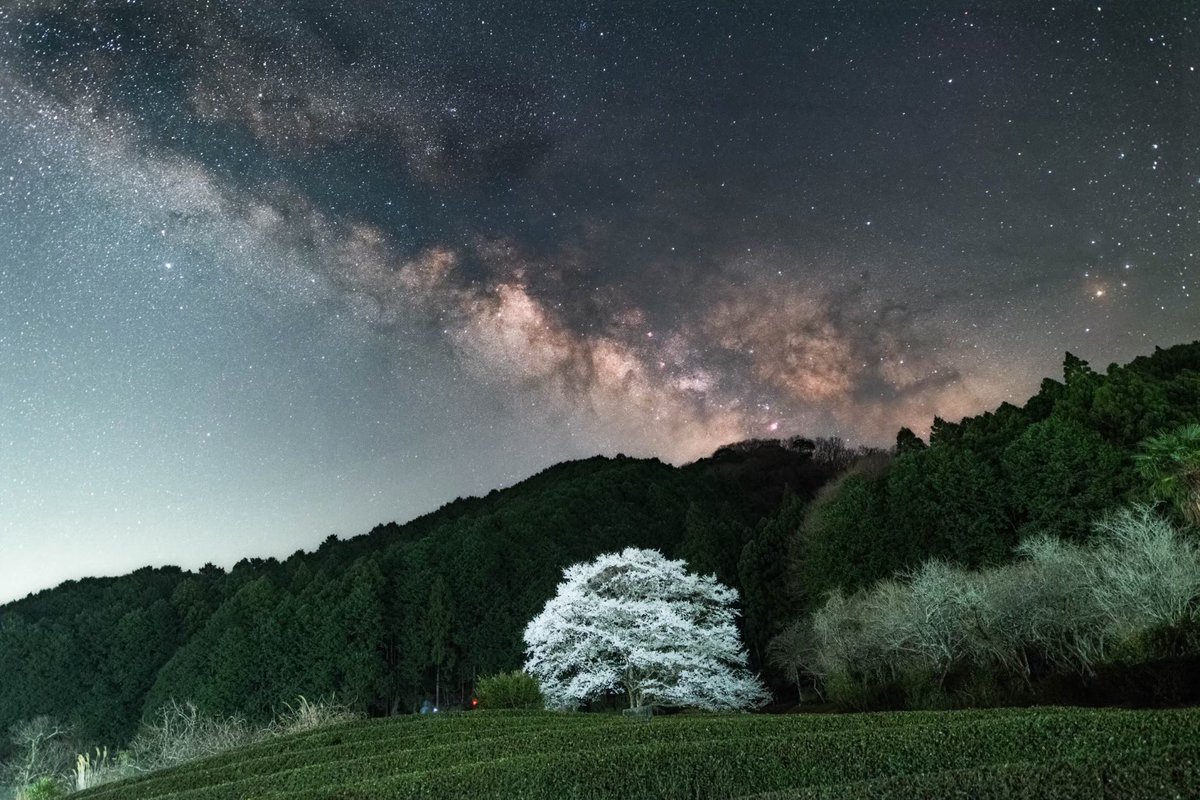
x: 1045, y: 753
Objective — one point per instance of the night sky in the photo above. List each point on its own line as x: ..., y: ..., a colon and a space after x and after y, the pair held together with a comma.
x: 272, y: 270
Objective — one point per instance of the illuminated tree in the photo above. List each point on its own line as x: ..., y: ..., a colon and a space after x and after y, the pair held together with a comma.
x: 637, y: 624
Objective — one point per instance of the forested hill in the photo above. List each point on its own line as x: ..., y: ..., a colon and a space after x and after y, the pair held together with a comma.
x: 980, y: 486
x: 383, y: 619
x: 389, y: 618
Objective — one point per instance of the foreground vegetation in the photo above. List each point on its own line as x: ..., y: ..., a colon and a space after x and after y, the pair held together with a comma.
x: 943, y: 635
x: 1061, y: 754
x: 47, y: 763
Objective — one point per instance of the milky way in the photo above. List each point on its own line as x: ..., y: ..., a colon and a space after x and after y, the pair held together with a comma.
x: 275, y: 270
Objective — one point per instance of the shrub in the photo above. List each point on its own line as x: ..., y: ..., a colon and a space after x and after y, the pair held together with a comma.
x: 44, y: 789
x: 307, y: 715
x: 516, y: 689
x: 179, y: 732
x: 855, y: 693
x: 1148, y: 574
x: 983, y: 687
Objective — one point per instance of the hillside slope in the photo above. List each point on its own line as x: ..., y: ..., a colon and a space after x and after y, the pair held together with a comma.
x: 1052, y: 753
x: 980, y: 486
x: 383, y: 619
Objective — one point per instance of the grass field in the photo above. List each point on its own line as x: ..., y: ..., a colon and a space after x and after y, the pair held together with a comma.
x: 1042, y: 753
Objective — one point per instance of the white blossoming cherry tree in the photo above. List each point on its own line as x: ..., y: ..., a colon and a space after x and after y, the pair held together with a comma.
x: 637, y: 623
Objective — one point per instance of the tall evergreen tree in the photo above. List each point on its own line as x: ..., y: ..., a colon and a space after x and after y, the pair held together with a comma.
x: 439, y: 622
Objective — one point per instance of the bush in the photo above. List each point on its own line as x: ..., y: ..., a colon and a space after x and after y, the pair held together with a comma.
x: 857, y: 693
x: 45, y: 789
x: 307, y: 715
x: 983, y: 687
x: 179, y: 732
x: 516, y: 689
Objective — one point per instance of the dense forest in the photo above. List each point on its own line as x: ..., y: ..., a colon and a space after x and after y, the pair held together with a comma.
x: 408, y: 612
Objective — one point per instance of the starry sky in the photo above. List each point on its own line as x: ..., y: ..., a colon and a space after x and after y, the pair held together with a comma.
x: 276, y: 269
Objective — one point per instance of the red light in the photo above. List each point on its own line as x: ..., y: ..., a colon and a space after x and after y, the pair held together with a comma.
x: 474, y: 702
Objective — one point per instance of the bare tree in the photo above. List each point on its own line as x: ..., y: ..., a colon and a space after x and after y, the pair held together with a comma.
x: 1062, y: 621
x: 41, y: 750
x: 1146, y: 574
x: 1070, y: 604
x: 794, y: 653
x: 942, y: 598
x: 833, y: 452
x: 179, y: 733
x: 997, y: 622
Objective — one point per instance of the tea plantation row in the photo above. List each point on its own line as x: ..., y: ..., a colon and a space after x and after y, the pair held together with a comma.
x: 1064, y: 754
